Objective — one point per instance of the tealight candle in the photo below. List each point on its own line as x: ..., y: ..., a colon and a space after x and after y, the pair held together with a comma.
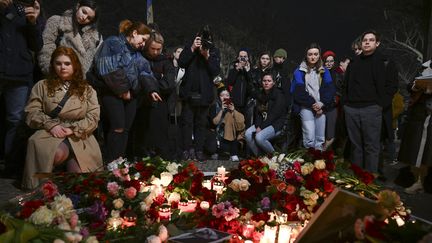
x: 207, y: 184
x: 165, y: 212
x: 191, y: 206
x: 205, y: 205
x: 183, y: 207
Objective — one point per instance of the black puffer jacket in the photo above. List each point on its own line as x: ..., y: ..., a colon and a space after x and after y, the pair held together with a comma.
x: 270, y: 110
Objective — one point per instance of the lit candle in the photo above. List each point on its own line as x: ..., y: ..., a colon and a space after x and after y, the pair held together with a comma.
x: 183, y: 207
x: 248, y: 230
x: 165, y: 212
x: 191, y: 206
x: 207, y: 184
x: 221, y: 171
x: 269, y: 234
x: 159, y: 191
x: 248, y: 241
x: 218, y: 187
x: 205, y: 205
x: 284, y: 233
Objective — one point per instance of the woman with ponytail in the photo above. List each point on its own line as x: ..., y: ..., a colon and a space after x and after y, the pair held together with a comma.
x: 126, y: 75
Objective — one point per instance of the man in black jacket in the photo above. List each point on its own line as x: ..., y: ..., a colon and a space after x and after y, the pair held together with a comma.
x: 20, y: 35
x: 368, y: 89
x: 201, y: 60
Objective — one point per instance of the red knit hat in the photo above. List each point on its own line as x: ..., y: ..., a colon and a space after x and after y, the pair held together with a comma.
x: 327, y: 54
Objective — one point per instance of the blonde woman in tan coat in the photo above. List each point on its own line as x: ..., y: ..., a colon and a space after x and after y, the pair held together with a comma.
x: 64, y: 138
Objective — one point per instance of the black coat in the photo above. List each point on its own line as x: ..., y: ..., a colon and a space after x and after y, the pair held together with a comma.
x: 18, y: 39
x: 241, y: 82
x: 199, y: 75
x: 276, y: 112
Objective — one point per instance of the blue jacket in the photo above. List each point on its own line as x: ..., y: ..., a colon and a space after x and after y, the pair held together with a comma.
x: 121, y: 67
x: 302, y: 97
x: 18, y: 38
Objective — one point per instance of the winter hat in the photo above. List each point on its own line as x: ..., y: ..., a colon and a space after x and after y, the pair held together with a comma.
x: 221, y: 87
x: 327, y: 54
x: 280, y: 53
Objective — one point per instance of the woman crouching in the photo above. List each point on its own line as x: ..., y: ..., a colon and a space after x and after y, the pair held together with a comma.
x: 65, y: 111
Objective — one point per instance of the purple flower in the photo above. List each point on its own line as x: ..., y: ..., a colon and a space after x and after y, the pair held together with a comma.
x: 265, y: 203
x: 98, y: 211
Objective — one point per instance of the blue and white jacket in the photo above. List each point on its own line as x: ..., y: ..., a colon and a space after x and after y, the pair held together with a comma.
x: 301, y: 96
x: 122, y: 67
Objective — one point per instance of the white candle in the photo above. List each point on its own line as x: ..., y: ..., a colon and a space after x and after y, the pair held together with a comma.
x: 284, y: 233
x: 270, y: 233
x: 205, y: 205
x: 221, y: 171
x: 207, y: 184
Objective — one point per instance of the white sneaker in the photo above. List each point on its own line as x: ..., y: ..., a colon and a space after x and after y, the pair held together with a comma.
x: 415, y: 188
x: 235, y: 158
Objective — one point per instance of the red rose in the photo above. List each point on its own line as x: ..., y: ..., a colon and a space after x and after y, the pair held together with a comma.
x: 328, y: 187
x: 139, y: 166
x: 133, y: 183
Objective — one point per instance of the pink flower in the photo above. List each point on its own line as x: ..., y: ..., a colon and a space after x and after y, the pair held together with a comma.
x: 117, y: 173
x: 218, y: 210
x: 130, y: 192
x: 113, y: 188
x: 73, y: 220
x: 49, y: 190
x: 124, y: 171
x: 231, y: 213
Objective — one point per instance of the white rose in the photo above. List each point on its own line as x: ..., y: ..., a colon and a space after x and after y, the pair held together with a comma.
x: 320, y: 164
x: 172, y: 168
x: 307, y: 168
x: 92, y: 239
x: 62, y: 205
x: 58, y: 241
x: 265, y: 160
x: 281, y: 157
x: 174, y: 197
x: 274, y: 166
x: 155, y: 181
x: 115, y: 213
x: 235, y: 185
x: 42, y: 216
x: 163, y: 233
x: 118, y: 203
x: 165, y: 178
x: 244, y: 185
x: 153, y: 239
x: 314, y: 196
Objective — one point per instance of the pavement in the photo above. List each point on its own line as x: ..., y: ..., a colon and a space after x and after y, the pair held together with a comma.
x: 418, y: 203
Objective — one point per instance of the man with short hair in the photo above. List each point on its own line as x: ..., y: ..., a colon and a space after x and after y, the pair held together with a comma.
x: 367, y: 91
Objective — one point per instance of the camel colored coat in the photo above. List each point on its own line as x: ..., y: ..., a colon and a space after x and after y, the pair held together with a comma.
x: 81, y: 116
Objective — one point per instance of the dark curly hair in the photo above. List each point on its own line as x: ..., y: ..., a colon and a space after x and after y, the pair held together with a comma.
x: 78, y: 84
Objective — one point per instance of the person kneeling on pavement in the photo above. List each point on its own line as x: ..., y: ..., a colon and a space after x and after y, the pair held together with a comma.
x: 230, y: 124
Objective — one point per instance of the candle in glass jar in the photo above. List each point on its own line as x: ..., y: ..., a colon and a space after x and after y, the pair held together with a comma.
x: 284, y: 233
x: 207, y: 184
x: 191, y: 206
x: 269, y: 234
x: 165, y: 212
x: 248, y: 230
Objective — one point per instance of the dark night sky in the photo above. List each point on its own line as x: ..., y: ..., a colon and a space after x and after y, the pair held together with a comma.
x: 292, y: 25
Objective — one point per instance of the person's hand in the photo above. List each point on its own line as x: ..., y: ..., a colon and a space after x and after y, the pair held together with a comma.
x: 231, y: 107
x: 32, y: 13
x: 67, y: 131
x: 126, y: 95
x: 58, y: 131
x: 257, y: 130
x: 196, y: 43
x: 319, y: 112
x: 317, y: 106
x: 247, y: 66
x: 205, y: 53
x: 238, y: 66
x: 155, y: 97
x: 5, y: 3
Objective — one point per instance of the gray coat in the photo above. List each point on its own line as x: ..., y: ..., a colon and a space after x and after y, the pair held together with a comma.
x: 84, y: 44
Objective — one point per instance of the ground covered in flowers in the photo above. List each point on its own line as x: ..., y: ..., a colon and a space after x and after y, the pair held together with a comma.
x: 155, y: 199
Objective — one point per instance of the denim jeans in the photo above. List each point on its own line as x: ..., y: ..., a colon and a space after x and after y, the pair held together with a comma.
x: 313, y: 128
x: 15, y: 97
x: 260, y: 142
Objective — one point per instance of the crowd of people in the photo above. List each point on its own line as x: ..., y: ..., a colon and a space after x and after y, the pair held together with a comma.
x: 140, y: 100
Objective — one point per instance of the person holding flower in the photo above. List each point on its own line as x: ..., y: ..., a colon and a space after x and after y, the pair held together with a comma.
x: 269, y: 119
x: 65, y: 111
